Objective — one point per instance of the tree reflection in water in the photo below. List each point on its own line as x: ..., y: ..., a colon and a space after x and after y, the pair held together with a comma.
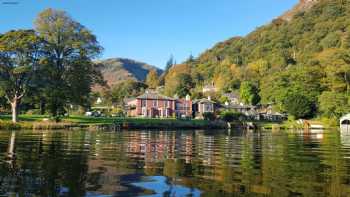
x: 207, y: 163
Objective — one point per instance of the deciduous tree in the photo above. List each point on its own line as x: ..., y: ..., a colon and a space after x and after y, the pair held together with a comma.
x: 184, y: 86
x: 19, y: 57
x: 249, y: 93
x: 152, y: 79
x: 334, y: 104
x: 69, y: 50
x: 298, y: 106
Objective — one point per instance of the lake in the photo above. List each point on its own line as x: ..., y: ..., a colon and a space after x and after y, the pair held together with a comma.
x: 174, y: 163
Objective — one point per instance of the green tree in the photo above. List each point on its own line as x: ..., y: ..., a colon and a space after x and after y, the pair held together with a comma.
x: 249, y: 93
x: 306, y: 81
x: 257, y: 69
x: 125, y: 89
x: 69, y: 50
x: 190, y: 58
x: 19, y: 57
x: 172, y: 78
x: 152, y: 79
x: 334, y: 104
x: 337, y: 68
x: 170, y: 63
x: 3, y: 101
x: 185, y: 85
x: 299, y: 106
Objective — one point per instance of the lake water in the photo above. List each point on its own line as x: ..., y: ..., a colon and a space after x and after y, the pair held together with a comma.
x: 174, y: 163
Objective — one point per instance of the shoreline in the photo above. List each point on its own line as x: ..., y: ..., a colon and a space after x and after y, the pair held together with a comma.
x: 111, y: 124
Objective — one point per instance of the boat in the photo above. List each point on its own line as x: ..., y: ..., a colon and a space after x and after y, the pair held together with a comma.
x: 345, y: 124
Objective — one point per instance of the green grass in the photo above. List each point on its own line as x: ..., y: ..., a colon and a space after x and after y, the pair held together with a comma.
x: 90, y: 120
x: 26, y: 118
x: 36, y: 121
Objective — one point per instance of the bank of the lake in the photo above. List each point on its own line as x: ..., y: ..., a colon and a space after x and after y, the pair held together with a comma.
x: 321, y: 123
x: 43, y: 123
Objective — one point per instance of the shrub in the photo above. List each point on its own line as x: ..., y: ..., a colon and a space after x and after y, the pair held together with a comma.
x: 209, y: 116
x: 299, y: 106
x: 8, y: 125
x: 33, y: 112
x: 230, y: 116
x: 118, y: 112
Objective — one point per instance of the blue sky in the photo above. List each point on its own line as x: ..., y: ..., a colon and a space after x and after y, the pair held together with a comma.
x: 152, y: 30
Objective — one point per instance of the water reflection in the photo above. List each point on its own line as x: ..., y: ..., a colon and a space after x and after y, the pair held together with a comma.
x: 174, y: 163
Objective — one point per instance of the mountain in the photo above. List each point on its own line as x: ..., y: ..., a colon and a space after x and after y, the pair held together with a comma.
x: 115, y: 70
x: 303, y: 54
x: 302, y: 6
x: 298, y: 37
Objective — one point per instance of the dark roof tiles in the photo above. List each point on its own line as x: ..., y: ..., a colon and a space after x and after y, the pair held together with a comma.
x: 154, y: 95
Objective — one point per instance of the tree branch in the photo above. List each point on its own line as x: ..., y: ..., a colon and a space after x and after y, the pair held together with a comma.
x: 21, y: 95
x: 8, y: 99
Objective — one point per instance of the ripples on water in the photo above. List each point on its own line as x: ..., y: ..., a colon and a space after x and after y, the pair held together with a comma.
x: 174, y: 163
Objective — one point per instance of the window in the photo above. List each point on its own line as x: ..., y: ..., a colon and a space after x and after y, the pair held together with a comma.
x: 167, y: 104
x: 155, y: 103
x: 207, y: 107
x: 143, y: 103
x: 178, y: 106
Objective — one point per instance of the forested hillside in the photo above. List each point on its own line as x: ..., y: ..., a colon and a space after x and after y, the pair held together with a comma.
x: 306, y: 57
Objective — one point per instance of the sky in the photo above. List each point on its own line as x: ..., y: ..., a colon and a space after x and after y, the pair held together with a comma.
x: 152, y: 30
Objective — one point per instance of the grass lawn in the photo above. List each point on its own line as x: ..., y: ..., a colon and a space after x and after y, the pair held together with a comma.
x: 73, y: 119
x: 90, y: 120
x: 138, y: 121
x: 35, y: 121
x: 26, y: 118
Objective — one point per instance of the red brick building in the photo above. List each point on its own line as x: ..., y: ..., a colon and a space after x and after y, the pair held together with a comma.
x: 153, y: 105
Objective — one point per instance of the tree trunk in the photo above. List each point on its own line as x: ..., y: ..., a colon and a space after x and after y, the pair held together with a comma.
x: 11, y: 149
x: 228, y: 125
x: 14, y: 108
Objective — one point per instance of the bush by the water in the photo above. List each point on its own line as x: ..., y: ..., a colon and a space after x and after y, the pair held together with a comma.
x: 229, y: 116
x: 8, y: 125
x: 209, y: 116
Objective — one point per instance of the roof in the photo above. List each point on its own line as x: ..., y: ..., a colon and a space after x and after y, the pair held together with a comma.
x: 127, y: 100
x: 235, y: 106
x: 203, y: 100
x: 231, y: 95
x: 346, y: 117
x: 154, y: 96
